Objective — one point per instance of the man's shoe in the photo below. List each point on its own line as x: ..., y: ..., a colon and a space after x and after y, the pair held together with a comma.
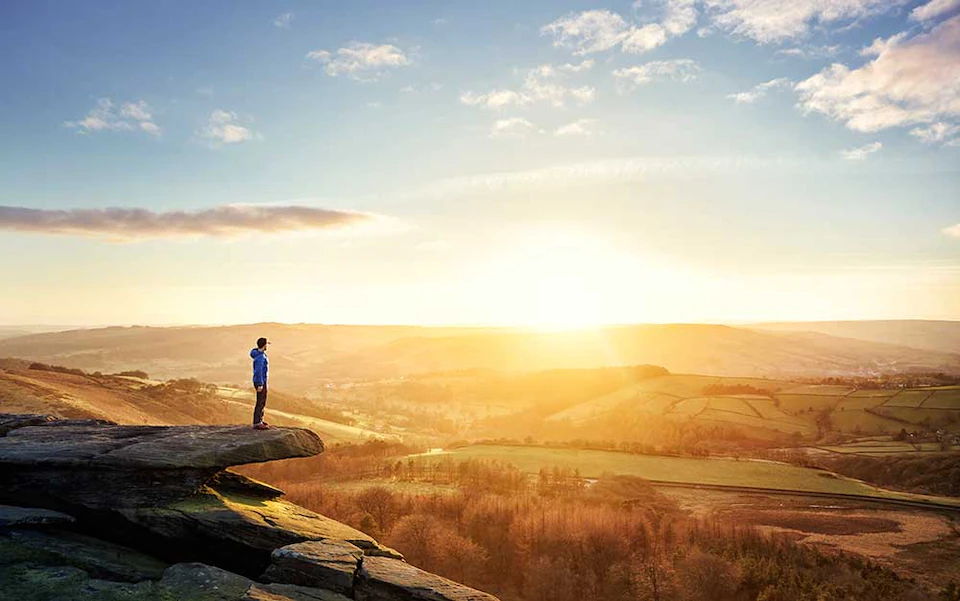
x: 261, y: 426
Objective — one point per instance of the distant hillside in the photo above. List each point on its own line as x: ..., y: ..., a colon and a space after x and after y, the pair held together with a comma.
x: 302, y: 356
x: 920, y: 334
x: 132, y: 400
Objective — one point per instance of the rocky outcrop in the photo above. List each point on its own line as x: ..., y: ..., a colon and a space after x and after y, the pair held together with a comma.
x: 331, y: 564
x: 383, y: 579
x: 30, y: 516
x: 98, y: 510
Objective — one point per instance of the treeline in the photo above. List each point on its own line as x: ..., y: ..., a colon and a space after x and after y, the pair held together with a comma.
x: 887, y: 381
x: 724, y: 389
x: 934, y: 475
x: 616, y: 540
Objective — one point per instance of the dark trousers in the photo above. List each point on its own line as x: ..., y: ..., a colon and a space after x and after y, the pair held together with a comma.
x: 261, y: 403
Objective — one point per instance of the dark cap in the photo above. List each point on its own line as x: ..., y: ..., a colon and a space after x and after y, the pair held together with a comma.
x: 261, y: 342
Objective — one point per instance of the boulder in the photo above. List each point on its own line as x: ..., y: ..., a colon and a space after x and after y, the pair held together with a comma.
x: 12, y: 421
x: 96, y: 557
x: 30, y: 516
x: 199, y: 581
x: 247, y: 522
x: 329, y: 564
x: 386, y: 579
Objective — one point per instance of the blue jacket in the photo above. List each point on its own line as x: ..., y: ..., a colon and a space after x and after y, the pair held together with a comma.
x: 259, y: 367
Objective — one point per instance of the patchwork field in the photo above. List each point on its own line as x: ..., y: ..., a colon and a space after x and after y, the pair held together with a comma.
x: 775, y: 407
x: 681, y: 470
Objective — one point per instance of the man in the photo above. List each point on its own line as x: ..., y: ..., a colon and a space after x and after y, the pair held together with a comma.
x: 259, y: 356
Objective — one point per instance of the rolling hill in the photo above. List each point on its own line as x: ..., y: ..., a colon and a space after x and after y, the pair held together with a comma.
x: 941, y: 336
x: 304, y: 355
x: 132, y: 400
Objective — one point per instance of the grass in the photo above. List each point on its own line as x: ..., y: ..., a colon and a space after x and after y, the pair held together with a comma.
x: 944, y: 398
x: 723, y: 472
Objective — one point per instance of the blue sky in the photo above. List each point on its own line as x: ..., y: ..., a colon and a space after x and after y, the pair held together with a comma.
x: 549, y: 163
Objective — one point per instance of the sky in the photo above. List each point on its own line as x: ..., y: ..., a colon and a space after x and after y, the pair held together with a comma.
x: 555, y: 164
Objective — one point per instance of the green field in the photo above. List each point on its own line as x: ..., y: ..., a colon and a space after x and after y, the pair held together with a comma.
x: 789, y: 407
x: 723, y: 472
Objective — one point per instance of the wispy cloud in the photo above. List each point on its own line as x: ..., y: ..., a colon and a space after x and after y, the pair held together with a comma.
x: 760, y: 90
x: 544, y: 83
x: 773, y: 21
x: 938, y: 133
x: 106, y: 116
x: 439, y: 21
x: 680, y: 69
x: 933, y: 9
x: 911, y: 81
x: 284, y: 21
x: 810, y: 52
x: 861, y: 153
x: 621, y: 170
x: 225, y: 127
x: 580, y: 127
x: 494, y: 99
x: 361, y: 61
x: 952, y: 231
x: 601, y: 30
x: 133, y: 224
x: 515, y: 127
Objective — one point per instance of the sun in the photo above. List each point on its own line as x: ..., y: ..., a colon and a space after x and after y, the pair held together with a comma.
x: 557, y: 279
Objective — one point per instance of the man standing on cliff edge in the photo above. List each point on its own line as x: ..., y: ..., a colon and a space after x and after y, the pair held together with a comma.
x: 259, y: 356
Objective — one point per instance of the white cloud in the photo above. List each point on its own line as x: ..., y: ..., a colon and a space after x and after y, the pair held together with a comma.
x: 284, y: 21
x: 911, y: 81
x: 937, y: 133
x: 934, y: 9
x: 224, y: 127
x: 810, y: 52
x: 589, y: 31
x: 360, y: 60
x: 494, y: 99
x: 760, y: 90
x: 773, y: 21
x: 585, y: 65
x: 601, y: 30
x: 106, y: 117
x: 515, y: 127
x: 439, y: 21
x: 680, y: 69
x: 541, y: 84
x: 580, y: 127
x: 138, y: 111
x: 953, y: 231
x: 860, y: 154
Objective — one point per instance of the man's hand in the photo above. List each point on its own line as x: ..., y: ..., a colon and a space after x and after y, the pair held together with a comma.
x: 259, y: 388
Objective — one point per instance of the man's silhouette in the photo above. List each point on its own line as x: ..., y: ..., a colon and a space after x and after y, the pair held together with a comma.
x: 259, y: 356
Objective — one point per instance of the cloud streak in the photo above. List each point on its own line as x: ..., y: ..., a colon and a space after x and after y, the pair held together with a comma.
x: 861, y: 153
x: 760, y: 90
x: 680, y: 69
x: 361, y: 61
x: 122, y: 224
x: 131, y: 116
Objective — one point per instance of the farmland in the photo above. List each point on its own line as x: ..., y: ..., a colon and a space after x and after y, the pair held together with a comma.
x: 678, y: 470
x: 772, y: 407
